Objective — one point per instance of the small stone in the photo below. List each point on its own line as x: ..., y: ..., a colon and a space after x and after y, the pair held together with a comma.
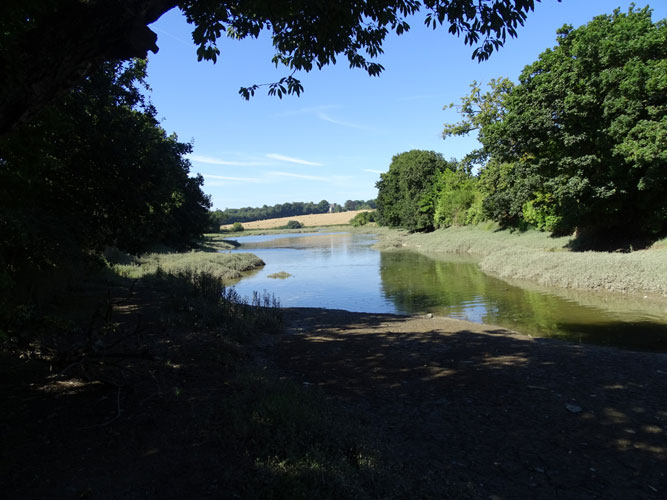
x: 573, y: 408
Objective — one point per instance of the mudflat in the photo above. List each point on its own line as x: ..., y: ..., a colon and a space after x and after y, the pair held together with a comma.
x: 508, y: 415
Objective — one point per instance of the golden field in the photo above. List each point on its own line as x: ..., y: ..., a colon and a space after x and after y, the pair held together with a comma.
x: 307, y: 220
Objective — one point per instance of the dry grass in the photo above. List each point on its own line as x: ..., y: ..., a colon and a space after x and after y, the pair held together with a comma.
x: 311, y: 220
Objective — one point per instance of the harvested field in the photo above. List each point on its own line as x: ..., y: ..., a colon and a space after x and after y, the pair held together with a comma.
x: 311, y: 220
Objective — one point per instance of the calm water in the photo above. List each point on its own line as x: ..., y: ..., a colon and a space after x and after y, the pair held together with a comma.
x: 342, y: 271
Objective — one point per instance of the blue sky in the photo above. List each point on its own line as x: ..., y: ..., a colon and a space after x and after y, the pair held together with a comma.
x: 333, y: 141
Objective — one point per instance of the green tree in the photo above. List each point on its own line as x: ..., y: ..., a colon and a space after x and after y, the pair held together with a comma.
x: 362, y: 218
x: 46, y: 46
x: 217, y: 218
x: 481, y: 112
x: 580, y: 142
x: 322, y: 207
x: 587, y: 127
x: 405, y: 192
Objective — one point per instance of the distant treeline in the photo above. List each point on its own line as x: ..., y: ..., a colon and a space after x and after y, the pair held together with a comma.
x: 248, y: 214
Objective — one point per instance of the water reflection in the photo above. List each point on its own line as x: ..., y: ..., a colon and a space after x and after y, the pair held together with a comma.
x: 342, y: 271
x: 459, y: 289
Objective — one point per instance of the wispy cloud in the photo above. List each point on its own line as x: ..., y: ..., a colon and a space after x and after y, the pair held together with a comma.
x: 373, y: 171
x: 289, y: 159
x: 307, y: 111
x: 170, y: 35
x: 218, y: 161
x: 234, y: 179
x: 301, y: 176
x: 265, y: 178
x: 327, y: 118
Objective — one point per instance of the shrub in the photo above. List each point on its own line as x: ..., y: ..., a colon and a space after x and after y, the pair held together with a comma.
x: 294, y: 224
x: 237, y: 226
x: 459, y: 201
x: 541, y: 212
x: 363, y: 218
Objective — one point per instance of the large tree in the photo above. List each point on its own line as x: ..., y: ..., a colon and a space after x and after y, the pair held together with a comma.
x: 47, y: 46
x: 94, y: 170
x: 586, y: 129
x: 406, y: 192
x: 581, y: 141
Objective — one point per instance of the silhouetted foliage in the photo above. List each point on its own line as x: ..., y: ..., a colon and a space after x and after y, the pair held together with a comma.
x: 94, y: 170
x: 47, y: 46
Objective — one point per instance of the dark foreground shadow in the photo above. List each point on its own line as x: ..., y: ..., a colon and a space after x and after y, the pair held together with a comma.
x: 513, y: 417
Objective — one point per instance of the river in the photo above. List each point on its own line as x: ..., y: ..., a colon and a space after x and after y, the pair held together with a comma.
x: 342, y: 271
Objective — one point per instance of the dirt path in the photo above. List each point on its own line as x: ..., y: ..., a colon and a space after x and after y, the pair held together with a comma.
x: 511, y: 416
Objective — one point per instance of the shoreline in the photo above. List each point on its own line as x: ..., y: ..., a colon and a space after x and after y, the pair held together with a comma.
x: 360, y: 405
x: 515, y: 416
x: 535, y: 257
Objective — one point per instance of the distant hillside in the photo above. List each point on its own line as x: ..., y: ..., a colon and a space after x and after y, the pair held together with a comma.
x: 310, y: 220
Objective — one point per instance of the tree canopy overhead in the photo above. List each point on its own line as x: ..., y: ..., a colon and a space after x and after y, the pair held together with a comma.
x: 47, y: 46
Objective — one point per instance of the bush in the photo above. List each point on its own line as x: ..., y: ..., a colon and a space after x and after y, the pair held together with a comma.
x: 459, y: 201
x: 237, y: 226
x: 541, y: 212
x: 363, y: 218
x: 294, y: 224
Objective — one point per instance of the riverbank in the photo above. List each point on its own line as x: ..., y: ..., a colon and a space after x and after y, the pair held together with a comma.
x: 475, y: 411
x: 333, y: 405
x: 157, y: 386
x: 537, y: 257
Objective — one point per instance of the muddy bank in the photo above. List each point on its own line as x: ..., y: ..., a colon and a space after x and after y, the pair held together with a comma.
x: 415, y: 407
x: 505, y: 414
x: 537, y: 257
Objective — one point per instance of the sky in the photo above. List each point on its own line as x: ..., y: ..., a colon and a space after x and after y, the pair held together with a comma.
x: 333, y: 141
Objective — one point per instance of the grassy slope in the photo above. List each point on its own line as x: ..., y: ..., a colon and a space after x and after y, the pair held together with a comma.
x: 224, y: 266
x: 536, y: 256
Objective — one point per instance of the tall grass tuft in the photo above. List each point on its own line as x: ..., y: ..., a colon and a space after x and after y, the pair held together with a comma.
x: 199, y: 299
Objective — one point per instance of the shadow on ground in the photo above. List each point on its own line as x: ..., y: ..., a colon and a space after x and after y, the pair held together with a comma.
x: 514, y: 417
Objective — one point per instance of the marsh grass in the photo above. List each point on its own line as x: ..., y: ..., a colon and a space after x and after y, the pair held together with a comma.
x: 538, y: 257
x: 215, y: 242
x: 225, y: 266
x: 200, y: 300
x: 297, y: 443
x: 643, y: 271
x: 280, y: 275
